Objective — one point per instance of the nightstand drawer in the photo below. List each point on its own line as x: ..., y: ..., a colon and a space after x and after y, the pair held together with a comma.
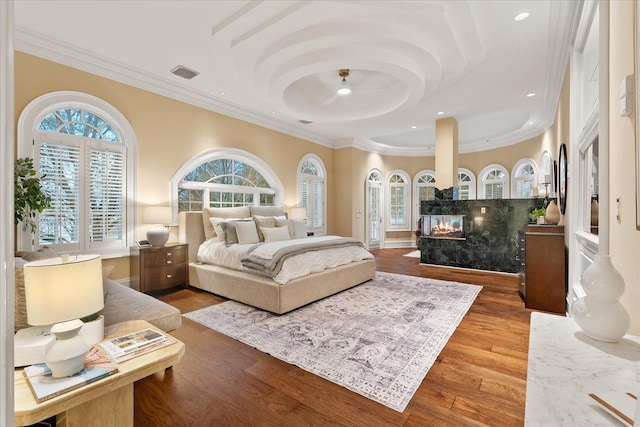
x: 164, y: 277
x: 165, y: 257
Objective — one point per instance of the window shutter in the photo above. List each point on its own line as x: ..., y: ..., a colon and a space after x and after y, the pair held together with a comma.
x: 59, y: 169
x: 106, y: 215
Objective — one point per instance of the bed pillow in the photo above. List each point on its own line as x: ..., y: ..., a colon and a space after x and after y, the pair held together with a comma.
x: 296, y: 227
x: 275, y: 234
x: 263, y: 221
x: 237, y: 212
x: 230, y: 231
x: 247, y: 232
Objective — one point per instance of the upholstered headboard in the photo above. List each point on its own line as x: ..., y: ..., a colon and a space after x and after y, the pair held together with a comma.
x: 191, y: 231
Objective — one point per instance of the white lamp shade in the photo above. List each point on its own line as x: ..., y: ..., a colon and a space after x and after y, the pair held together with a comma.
x: 298, y: 213
x: 156, y: 215
x: 57, y: 291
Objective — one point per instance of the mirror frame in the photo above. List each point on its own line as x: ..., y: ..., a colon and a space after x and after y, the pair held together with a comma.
x: 562, y: 178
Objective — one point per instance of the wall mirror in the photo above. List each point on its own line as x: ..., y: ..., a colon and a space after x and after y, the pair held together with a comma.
x: 562, y: 178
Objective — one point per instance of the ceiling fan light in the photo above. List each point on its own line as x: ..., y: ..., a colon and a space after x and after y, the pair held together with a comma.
x: 344, y: 88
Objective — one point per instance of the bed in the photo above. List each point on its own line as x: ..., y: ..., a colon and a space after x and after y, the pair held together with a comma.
x: 203, y: 232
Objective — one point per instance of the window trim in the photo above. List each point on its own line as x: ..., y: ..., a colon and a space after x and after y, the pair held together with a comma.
x: 323, y: 174
x: 520, y: 164
x: 28, y: 124
x: 225, y: 153
x: 416, y: 194
x: 472, y: 182
x: 507, y: 184
x: 407, y: 201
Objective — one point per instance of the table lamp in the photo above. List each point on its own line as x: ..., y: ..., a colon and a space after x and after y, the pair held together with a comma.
x: 298, y: 213
x: 60, y: 291
x: 161, y: 217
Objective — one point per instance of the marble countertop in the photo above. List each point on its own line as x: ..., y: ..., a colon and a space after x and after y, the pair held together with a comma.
x: 565, y: 366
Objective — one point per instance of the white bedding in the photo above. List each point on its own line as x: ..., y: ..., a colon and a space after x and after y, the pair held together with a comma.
x: 217, y: 253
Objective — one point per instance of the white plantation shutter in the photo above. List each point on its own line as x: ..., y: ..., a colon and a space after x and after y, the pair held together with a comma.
x: 106, y: 191
x: 60, y: 172
x: 311, y: 193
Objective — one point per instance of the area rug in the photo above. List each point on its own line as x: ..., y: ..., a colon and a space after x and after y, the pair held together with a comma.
x: 413, y: 254
x: 378, y: 339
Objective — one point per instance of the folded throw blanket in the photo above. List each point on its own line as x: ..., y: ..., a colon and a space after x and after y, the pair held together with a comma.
x: 267, y: 258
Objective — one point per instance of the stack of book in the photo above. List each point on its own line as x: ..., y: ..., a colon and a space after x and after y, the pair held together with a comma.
x: 97, y: 365
x: 101, y: 361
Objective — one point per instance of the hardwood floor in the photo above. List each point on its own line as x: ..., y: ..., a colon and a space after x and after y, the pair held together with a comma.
x: 478, y: 380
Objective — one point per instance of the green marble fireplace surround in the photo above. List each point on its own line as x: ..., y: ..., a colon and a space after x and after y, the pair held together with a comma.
x: 490, y: 233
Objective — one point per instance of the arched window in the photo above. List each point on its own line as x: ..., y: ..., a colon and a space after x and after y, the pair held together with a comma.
x: 312, y: 192
x: 466, y: 184
x: 424, y: 189
x: 398, y: 189
x: 524, y: 179
x: 225, y: 178
x: 494, y: 183
x: 84, y: 150
x: 546, y: 172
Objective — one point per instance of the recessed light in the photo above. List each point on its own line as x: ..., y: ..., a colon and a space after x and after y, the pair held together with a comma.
x: 414, y: 126
x: 529, y: 95
x: 273, y: 112
x: 223, y: 92
x: 440, y: 113
x: 521, y: 16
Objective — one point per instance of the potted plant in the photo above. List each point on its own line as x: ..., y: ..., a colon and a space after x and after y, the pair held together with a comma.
x: 92, y: 332
x: 28, y: 198
x: 537, y: 215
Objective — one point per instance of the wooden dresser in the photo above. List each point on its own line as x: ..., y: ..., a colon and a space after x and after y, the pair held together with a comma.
x: 545, y: 268
x: 158, y: 268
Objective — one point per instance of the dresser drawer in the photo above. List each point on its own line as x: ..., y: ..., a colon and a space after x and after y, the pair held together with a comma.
x: 165, y: 257
x: 164, y: 277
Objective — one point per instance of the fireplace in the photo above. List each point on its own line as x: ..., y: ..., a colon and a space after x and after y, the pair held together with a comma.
x: 443, y: 227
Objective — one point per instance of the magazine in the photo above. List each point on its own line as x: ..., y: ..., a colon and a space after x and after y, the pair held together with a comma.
x: 97, y: 365
x: 135, y: 344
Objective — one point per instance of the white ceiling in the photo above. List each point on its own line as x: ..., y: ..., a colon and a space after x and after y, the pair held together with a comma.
x: 275, y: 63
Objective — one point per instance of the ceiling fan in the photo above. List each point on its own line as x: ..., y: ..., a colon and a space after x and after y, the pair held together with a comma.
x: 343, y: 89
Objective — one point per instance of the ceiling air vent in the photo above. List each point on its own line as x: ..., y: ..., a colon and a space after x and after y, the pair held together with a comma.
x: 305, y: 122
x: 184, y: 72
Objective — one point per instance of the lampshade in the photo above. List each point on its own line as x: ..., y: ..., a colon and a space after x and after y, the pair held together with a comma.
x: 298, y: 213
x: 156, y: 215
x: 58, y: 291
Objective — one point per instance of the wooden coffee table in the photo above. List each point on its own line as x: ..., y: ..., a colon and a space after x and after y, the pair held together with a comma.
x: 108, y: 401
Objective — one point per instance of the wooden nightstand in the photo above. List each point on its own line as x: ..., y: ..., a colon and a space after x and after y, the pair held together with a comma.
x: 158, y: 268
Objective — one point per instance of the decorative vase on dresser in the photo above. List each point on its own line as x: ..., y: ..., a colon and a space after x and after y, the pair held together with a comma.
x: 552, y: 216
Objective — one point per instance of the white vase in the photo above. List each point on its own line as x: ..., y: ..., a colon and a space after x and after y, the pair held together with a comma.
x: 599, y: 314
x: 93, y: 332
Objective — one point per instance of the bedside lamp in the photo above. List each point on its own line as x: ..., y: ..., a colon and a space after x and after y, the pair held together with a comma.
x: 298, y: 213
x: 60, y: 291
x: 161, y: 217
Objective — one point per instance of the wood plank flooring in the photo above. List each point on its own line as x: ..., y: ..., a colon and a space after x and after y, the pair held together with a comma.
x: 478, y: 380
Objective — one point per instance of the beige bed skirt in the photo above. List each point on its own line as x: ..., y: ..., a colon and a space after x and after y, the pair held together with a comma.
x: 264, y: 293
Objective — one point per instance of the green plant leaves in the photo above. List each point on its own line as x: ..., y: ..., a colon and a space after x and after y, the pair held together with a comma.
x: 29, y: 198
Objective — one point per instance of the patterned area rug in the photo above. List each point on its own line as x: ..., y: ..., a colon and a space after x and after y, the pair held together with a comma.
x: 378, y: 339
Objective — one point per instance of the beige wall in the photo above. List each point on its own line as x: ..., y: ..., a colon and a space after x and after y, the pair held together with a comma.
x: 170, y: 132
x: 624, y: 238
